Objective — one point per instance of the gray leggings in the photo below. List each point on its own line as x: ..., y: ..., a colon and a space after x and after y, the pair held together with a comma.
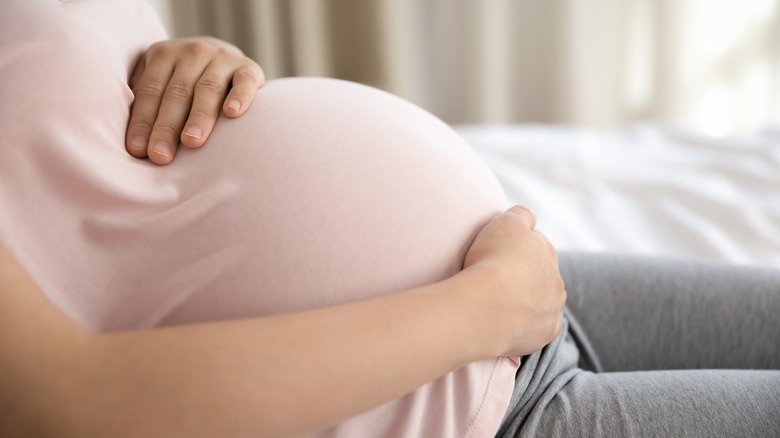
x: 656, y: 347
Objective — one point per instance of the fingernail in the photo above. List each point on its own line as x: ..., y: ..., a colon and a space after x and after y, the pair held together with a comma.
x: 235, y: 104
x: 137, y: 143
x: 194, y: 131
x: 163, y: 148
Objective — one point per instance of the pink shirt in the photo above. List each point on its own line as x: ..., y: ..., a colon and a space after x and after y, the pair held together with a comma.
x: 325, y: 192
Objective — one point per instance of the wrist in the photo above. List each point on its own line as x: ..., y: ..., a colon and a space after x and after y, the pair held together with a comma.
x: 474, y: 293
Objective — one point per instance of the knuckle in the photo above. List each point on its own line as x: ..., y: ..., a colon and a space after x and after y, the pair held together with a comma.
x: 199, y: 47
x: 523, y: 210
x: 250, y: 75
x: 523, y: 214
x: 508, y: 227
x: 201, y: 116
x: 140, y: 125
x: 178, y: 90
x: 149, y: 88
x: 167, y: 129
x: 224, y: 52
x: 509, y: 220
x: 160, y: 48
x: 517, y: 209
x: 220, y: 47
x: 211, y: 83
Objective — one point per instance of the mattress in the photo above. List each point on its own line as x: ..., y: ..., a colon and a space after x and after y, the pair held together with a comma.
x: 643, y: 189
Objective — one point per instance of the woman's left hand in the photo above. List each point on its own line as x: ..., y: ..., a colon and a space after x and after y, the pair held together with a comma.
x: 180, y: 86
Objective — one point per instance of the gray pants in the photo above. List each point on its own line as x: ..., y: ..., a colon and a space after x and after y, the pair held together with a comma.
x: 656, y: 347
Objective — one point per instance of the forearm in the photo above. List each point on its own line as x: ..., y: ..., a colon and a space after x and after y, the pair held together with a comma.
x: 284, y: 375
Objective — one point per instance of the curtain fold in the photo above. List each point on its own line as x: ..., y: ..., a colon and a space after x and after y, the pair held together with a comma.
x: 710, y: 66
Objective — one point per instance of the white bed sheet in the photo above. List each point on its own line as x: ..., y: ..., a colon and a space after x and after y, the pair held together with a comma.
x: 643, y: 189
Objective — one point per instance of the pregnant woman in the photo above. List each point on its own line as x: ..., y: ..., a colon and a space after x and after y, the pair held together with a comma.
x: 335, y: 261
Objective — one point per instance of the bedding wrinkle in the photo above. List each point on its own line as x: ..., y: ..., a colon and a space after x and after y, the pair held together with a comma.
x: 643, y: 189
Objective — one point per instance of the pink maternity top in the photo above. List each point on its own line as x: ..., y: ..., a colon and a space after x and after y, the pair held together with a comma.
x: 325, y: 192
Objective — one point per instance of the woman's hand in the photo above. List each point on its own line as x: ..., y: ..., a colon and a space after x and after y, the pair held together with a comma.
x: 525, y: 291
x: 180, y: 86
x: 507, y: 301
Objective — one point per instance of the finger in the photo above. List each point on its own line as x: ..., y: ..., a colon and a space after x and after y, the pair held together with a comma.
x: 550, y: 247
x: 148, y: 92
x: 135, y: 77
x: 174, y: 109
x: 210, y: 91
x: 246, y: 81
x: 525, y: 213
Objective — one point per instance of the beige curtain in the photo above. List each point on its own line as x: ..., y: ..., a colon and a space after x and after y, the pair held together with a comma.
x: 713, y: 66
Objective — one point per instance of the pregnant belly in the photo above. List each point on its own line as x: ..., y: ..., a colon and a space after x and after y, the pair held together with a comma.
x: 324, y: 192
x: 328, y: 192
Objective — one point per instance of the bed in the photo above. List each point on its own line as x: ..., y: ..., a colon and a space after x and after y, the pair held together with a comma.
x: 643, y: 189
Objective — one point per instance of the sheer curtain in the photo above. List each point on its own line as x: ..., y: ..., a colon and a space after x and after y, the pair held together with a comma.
x: 709, y: 66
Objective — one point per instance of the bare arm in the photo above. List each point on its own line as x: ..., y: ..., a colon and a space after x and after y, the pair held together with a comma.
x: 283, y: 375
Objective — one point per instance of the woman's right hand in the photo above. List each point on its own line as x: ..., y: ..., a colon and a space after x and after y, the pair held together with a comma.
x: 525, y: 294
x: 507, y: 301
